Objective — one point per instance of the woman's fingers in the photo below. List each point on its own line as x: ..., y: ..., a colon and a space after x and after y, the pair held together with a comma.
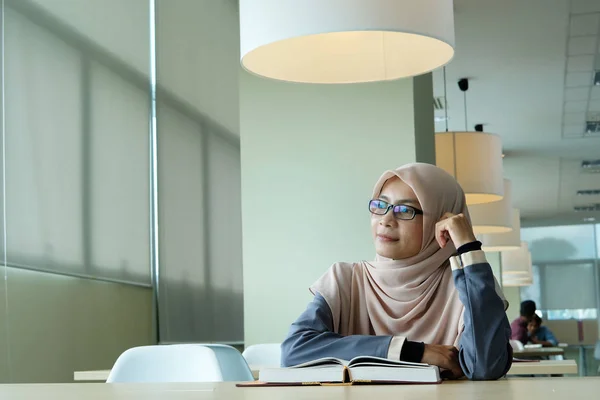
x: 442, y: 234
x: 455, y: 228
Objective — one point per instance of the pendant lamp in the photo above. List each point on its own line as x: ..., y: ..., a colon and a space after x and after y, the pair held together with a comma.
x: 495, y: 217
x: 514, y: 281
x: 516, y: 267
x: 474, y: 159
x: 504, y: 241
x: 345, y: 41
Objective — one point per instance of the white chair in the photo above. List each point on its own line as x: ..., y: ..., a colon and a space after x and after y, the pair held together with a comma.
x: 516, y: 344
x: 264, y: 355
x: 234, y: 366
x: 179, y: 363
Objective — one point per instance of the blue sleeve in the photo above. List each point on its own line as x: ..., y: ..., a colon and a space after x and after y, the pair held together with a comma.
x: 485, y: 352
x: 548, y: 336
x: 312, y: 337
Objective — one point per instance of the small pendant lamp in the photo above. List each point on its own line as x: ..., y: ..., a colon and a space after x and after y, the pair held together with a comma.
x: 516, y: 267
x: 495, y: 217
x: 474, y: 159
x: 504, y: 241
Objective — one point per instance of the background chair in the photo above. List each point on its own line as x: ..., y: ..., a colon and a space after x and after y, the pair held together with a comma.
x: 516, y: 344
x: 264, y: 355
x: 180, y: 363
x: 235, y: 368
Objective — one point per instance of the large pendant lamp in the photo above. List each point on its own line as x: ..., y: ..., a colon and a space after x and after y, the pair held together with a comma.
x: 495, y: 217
x: 504, y: 241
x: 345, y: 41
x: 474, y: 159
x: 516, y: 267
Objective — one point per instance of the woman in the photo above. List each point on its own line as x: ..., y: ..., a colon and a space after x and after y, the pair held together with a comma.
x: 430, y: 295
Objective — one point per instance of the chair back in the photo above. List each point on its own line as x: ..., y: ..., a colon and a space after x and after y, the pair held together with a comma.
x: 234, y: 366
x: 180, y: 363
x: 264, y: 355
x: 516, y: 344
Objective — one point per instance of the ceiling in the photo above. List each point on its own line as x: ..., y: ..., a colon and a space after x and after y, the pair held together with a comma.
x: 530, y: 65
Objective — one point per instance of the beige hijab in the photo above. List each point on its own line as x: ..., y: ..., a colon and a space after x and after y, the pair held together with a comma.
x: 413, y: 297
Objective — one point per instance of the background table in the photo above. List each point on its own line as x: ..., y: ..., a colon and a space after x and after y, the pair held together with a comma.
x: 582, y: 348
x: 544, y: 367
x: 512, y: 388
x: 99, y: 375
x: 539, y: 352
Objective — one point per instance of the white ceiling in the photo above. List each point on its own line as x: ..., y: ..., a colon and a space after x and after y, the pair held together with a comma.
x: 523, y: 85
x: 515, y: 54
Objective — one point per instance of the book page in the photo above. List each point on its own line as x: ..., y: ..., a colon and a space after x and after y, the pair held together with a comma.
x: 327, y: 361
x: 395, y: 374
x: 383, y: 362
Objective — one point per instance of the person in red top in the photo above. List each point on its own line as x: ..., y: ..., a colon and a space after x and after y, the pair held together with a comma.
x: 519, y: 326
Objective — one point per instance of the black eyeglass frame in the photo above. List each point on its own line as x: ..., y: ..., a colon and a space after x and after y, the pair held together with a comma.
x: 415, y: 211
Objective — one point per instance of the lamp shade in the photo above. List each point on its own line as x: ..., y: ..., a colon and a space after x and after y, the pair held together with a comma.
x: 345, y: 41
x: 514, y: 281
x: 495, y: 217
x: 475, y: 160
x: 516, y: 262
x: 504, y: 241
x: 516, y: 267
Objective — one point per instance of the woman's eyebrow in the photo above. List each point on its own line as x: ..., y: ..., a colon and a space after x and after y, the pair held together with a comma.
x: 401, y: 201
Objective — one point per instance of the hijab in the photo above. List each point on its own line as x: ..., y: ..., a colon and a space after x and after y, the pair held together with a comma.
x: 413, y: 297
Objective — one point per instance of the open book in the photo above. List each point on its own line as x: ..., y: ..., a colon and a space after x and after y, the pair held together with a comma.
x: 357, y: 370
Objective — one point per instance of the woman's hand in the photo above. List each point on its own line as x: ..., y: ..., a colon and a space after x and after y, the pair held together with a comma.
x: 455, y: 228
x: 445, y: 357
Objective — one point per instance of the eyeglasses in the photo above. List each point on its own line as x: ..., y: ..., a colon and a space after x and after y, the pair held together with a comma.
x: 380, y: 207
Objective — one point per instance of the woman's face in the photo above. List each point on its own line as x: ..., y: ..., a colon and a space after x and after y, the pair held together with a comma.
x: 396, y: 238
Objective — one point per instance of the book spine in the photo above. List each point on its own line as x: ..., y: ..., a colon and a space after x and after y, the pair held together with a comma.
x: 347, y: 378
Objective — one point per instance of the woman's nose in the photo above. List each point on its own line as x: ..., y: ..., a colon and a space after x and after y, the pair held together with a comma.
x: 388, y: 219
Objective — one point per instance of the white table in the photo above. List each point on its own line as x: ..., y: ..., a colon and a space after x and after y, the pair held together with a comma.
x: 539, y: 352
x: 544, y: 367
x: 512, y: 388
x: 99, y: 375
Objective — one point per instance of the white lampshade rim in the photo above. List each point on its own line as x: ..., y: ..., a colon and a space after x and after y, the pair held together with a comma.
x: 438, y: 40
x: 384, y: 30
x: 515, y: 284
x: 491, y: 229
x: 500, y: 248
x: 494, y: 197
x: 517, y: 278
x: 486, y: 194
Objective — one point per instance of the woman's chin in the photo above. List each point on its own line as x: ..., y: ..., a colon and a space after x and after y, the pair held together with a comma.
x: 392, y: 253
x: 387, y: 252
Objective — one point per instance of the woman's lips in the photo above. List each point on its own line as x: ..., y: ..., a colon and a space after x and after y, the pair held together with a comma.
x: 385, y: 238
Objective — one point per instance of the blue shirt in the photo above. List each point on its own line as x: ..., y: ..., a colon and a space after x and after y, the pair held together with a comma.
x: 545, y: 335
